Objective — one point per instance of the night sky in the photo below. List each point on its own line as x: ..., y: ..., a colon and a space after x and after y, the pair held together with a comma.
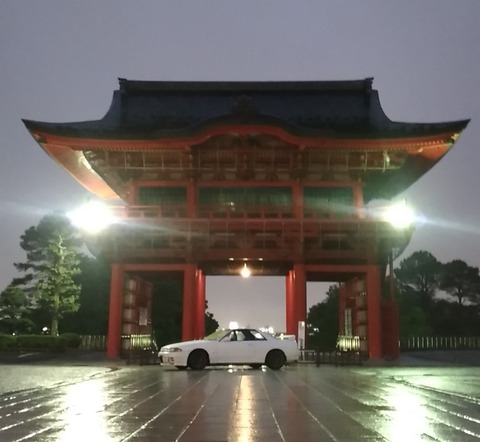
x: 60, y: 61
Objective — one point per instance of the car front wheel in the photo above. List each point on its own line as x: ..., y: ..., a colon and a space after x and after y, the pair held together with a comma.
x: 275, y: 360
x: 198, y: 360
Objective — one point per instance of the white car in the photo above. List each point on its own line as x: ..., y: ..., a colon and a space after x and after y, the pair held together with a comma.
x: 243, y: 346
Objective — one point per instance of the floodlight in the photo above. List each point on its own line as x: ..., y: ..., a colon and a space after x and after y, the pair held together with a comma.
x: 245, y: 272
x: 92, y: 217
x: 399, y: 216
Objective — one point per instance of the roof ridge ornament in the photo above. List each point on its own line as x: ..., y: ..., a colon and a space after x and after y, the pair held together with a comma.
x: 244, y: 106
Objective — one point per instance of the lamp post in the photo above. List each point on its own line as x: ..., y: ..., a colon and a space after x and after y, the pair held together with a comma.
x: 390, y: 274
x: 401, y: 217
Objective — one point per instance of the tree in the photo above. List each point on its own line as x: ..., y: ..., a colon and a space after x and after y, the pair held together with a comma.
x: 14, y: 310
x: 461, y: 281
x: 453, y: 319
x: 211, y: 324
x: 52, y: 263
x: 413, y: 320
x: 92, y: 316
x: 420, y: 273
x: 322, y: 320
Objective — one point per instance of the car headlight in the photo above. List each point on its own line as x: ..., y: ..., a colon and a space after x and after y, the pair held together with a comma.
x: 171, y: 349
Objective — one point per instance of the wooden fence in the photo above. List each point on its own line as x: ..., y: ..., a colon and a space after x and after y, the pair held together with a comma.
x: 332, y: 357
x: 440, y: 343
x: 135, y: 348
x: 93, y: 342
x: 352, y: 345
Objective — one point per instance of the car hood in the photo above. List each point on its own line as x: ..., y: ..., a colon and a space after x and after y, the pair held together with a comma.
x: 186, y: 343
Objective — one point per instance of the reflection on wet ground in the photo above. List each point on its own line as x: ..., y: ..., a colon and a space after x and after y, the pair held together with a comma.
x: 299, y: 403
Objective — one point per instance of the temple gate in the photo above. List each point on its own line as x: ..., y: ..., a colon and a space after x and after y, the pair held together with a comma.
x: 274, y: 176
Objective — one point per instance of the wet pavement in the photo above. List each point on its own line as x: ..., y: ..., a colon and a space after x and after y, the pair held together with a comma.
x: 101, y: 401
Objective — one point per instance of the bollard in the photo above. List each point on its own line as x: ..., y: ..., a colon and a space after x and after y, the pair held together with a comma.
x: 317, y: 358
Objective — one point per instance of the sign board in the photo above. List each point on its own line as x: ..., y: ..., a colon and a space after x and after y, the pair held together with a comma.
x: 142, y: 316
x: 301, y: 335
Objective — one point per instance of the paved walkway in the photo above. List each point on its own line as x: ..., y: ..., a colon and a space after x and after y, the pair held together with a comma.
x: 100, y: 401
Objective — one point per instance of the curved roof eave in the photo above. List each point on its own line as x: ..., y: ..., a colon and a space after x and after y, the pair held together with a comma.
x: 67, y: 151
x: 401, y: 134
x: 100, y: 130
x: 74, y: 162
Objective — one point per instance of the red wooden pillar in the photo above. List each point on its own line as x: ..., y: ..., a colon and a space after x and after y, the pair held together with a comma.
x: 200, y: 305
x: 374, y: 313
x: 358, y: 199
x: 390, y: 320
x: 390, y: 330
x: 290, y: 304
x: 132, y: 193
x: 297, y: 196
x: 189, y: 292
x: 300, y: 296
x: 191, y: 200
x: 115, y: 312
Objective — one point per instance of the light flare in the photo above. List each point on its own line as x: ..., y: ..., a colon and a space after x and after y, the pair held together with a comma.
x: 399, y: 216
x: 245, y: 272
x: 92, y: 217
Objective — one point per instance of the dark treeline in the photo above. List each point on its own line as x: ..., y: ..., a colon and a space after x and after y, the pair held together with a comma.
x: 434, y: 299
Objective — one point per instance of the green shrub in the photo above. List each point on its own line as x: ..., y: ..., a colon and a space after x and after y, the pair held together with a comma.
x: 40, y: 342
x: 71, y: 340
x: 7, y: 342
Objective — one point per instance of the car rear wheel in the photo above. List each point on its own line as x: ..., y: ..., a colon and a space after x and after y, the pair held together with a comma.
x: 275, y: 360
x: 198, y: 360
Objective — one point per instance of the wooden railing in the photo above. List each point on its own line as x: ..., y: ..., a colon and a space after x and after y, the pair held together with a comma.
x: 139, y: 349
x: 93, y: 342
x: 135, y: 348
x: 348, y: 343
x: 215, y: 211
x: 440, y: 343
x: 330, y: 357
x: 348, y: 351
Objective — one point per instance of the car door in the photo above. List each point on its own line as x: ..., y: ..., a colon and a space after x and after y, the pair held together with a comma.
x: 256, y: 347
x: 233, y: 348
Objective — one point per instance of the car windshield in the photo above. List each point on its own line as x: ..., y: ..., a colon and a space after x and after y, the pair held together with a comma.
x: 217, y: 335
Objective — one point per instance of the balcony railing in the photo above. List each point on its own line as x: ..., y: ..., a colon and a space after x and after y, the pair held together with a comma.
x: 214, y: 211
x: 346, y: 240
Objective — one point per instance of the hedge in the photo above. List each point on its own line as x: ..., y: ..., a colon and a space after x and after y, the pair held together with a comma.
x: 38, y: 342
